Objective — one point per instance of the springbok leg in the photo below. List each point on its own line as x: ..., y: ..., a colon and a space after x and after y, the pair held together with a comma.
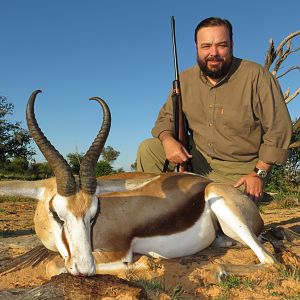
x: 238, y: 217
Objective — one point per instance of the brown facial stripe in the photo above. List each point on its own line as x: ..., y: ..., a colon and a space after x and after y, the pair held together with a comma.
x: 51, y: 204
x: 65, y: 242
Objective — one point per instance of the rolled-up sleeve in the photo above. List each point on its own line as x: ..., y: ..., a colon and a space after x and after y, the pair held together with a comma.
x: 275, y: 121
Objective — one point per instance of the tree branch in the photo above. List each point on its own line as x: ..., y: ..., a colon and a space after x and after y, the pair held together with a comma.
x: 272, y: 54
x: 289, y: 70
x: 291, y: 97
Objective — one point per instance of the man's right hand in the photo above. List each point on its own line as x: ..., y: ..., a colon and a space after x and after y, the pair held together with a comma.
x: 174, y: 150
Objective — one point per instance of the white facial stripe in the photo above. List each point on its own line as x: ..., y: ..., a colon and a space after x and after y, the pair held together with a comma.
x: 77, y: 236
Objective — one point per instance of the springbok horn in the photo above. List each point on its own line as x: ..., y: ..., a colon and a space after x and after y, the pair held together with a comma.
x: 87, y: 172
x: 66, y: 185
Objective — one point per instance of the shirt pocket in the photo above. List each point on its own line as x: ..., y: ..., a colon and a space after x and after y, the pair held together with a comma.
x: 233, y: 120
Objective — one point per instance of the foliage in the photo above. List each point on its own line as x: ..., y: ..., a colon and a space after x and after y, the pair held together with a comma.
x: 74, y: 159
x: 293, y: 163
x: 14, y: 140
x: 154, y: 287
x: 286, y: 179
x: 41, y: 170
x: 109, y: 154
x: 20, y: 168
x: 230, y: 282
x: 103, y: 166
x: 18, y: 165
x: 133, y: 166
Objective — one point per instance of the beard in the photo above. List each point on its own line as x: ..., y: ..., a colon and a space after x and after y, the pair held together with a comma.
x: 216, y: 72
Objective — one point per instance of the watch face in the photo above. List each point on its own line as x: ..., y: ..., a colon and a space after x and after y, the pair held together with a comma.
x: 262, y: 173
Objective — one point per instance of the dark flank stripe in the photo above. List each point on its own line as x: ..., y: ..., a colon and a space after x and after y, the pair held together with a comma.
x: 180, y: 217
x: 168, y: 205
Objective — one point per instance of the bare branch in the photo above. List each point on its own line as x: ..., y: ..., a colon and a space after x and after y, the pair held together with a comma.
x: 291, y: 97
x: 294, y: 145
x: 287, y: 93
x: 284, y: 41
x: 282, y: 57
x: 271, y: 54
x: 296, y: 126
x: 289, y: 70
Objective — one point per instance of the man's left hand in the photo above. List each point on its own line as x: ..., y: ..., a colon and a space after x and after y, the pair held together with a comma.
x: 253, y: 186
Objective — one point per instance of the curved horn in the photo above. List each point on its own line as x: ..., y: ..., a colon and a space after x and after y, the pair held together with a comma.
x: 87, y: 173
x: 65, y: 181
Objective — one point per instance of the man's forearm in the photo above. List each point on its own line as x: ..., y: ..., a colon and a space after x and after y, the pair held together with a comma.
x: 165, y: 135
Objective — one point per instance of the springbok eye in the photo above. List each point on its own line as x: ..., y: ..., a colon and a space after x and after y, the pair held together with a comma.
x: 56, y: 217
x: 93, y: 219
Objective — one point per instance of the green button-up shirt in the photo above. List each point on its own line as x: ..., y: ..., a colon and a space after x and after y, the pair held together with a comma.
x: 241, y: 118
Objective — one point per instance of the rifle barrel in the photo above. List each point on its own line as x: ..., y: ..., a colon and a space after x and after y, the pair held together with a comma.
x: 174, y: 49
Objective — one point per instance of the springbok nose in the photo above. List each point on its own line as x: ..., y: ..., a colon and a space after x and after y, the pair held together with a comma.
x: 83, y: 271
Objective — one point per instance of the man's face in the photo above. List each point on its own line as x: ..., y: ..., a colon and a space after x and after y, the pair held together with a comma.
x: 214, y: 51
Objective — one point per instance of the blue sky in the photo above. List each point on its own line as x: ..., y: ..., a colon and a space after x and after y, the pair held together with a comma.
x: 120, y: 51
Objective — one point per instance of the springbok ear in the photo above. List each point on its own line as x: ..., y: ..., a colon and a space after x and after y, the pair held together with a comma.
x: 39, y: 190
x: 42, y: 190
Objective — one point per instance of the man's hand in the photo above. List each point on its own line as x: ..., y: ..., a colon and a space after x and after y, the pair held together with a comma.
x: 253, y: 186
x: 174, y: 150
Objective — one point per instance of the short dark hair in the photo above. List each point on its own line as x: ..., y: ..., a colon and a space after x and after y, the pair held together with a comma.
x: 214, y: 21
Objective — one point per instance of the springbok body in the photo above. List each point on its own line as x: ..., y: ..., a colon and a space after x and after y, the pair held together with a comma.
x: 96, y: 224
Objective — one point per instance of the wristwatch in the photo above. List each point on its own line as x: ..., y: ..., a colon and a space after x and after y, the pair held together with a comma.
x: 261, y: 173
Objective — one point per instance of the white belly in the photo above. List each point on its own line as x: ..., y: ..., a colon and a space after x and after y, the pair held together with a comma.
x: 194, y: 239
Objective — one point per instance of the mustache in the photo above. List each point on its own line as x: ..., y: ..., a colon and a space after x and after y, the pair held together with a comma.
x: 214, y: 58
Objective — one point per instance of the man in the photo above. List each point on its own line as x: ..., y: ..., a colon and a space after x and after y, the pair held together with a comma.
x: 236, y: 111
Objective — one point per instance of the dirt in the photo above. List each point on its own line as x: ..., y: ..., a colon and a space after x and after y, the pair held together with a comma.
x: 191, y: 277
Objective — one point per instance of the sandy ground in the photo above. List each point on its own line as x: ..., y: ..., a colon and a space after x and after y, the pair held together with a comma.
x: 190, y: 277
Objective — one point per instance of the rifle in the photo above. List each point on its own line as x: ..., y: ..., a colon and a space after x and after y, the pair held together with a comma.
x: 180, y: 127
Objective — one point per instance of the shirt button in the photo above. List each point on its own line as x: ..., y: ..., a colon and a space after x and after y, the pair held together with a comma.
x: 209, y: 144
x: 210, y: 124
x: 210, y: 105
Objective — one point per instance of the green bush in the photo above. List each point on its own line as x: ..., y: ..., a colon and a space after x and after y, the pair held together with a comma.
x: 286, y: 179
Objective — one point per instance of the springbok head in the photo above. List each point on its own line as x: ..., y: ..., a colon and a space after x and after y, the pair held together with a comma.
x: 71, y: 206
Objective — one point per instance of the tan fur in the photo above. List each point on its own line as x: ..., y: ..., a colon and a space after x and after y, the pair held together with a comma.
x: 41, y: 222
x: 157, y: 205
x: 127, y: 175
x: 244, y: 209
x: 79, y: 204
x: 159, y: 208
x: 108, y: 256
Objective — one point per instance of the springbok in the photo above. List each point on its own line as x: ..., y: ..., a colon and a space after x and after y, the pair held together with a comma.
x: 96, y: 224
